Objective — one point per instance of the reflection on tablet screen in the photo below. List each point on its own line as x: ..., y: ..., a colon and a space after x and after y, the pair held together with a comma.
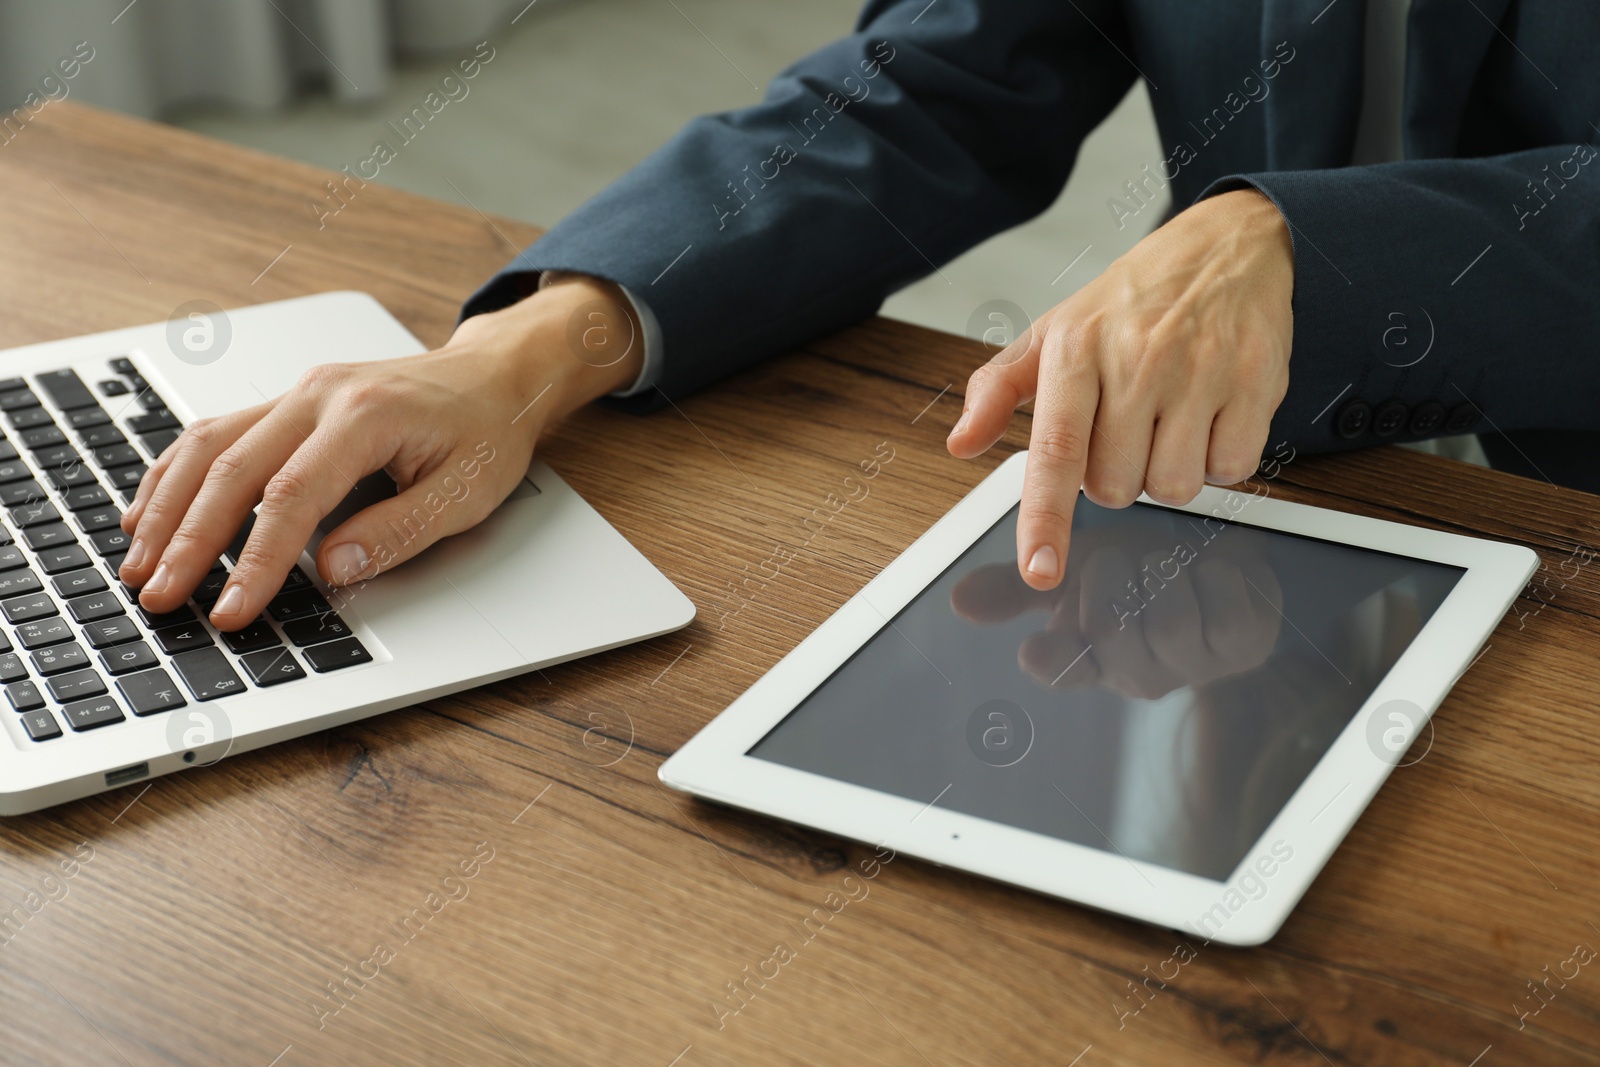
x: 1163, y: 703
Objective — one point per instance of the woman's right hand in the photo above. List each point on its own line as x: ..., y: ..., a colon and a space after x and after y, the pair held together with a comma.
x: 455, y: 428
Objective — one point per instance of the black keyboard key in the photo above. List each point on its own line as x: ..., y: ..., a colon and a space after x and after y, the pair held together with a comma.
x: 150, y: 400
x: 9, y: 384
x: 272, y: 666
x: 289, y: 606
x: 176, y: 639
x: 32, y: 635
x: 5, y: 642
x: 158, y: 441
x: 108, y: 632
x: 239, y: 538
x: 176, y: 617
x: 49, y: 535
x: 151, y: 421
x: 258, y: 635
x: 33, y: 513
x: 11, y: 557
x: 83, y: 418
x: 101, y: 436
x: 85, y: 496
x: 150, y: 691
x: 63, y: 558
x: 295, y: 581
x: 41, y: 725
x: 92, y: 713
x: 113, y: 562
x: 117, y: 455
x: 14, y: 470
x: 20, y: 492
x: 315, y: 629
x: 113, y: 387
x: 23, y: 608
x: 42, y: 436
x: 126, y: 478
x: 58, y: 457
x: 134, y: 656
x: 58, y: 658
x: 28, y: 418
x: 207, y: 673
x: 11, y: 668
x: 65, y: 389
x: 76, y: 686
x: 124, y: 366
x: 95, y: 606
x: 107, y: 542
x: 24, y: 696
x: 210, y: 587
x: 16, y: 582
x: 18, y: 399
x: 79, y: 583
x: 104, y: 517
x: 64, y: 478
x: 331, y: 657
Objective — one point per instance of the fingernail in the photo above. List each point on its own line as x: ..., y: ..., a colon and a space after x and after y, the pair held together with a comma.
x: 158, y: 580
x: 230, y: 601
x: 1043, y: 562
x: 961, y: 423
x: 347, y: 562
x: 135, y: 554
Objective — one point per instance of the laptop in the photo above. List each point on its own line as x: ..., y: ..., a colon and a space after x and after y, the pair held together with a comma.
x: 98, y: 693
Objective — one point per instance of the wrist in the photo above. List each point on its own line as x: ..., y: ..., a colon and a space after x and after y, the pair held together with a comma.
x: 574, y: 340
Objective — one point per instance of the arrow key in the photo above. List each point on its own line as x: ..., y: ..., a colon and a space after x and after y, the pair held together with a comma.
x: 150, y: 691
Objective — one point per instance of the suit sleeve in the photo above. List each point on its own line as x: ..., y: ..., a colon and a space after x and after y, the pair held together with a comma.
x: 1436, y: 297
x: 867, y: 164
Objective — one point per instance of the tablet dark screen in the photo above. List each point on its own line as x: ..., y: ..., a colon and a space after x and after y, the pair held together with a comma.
x: 1163, y: 703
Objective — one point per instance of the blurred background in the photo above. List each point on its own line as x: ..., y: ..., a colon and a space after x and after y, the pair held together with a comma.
x: 577, y: 92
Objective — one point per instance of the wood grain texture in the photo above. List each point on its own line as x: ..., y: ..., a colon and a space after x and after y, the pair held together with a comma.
x: 207, y: 916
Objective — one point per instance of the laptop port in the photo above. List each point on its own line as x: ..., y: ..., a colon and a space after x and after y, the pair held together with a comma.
x: 127, y: 774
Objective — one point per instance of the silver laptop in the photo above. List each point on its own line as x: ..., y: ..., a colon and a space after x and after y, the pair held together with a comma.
x: 98, y: 693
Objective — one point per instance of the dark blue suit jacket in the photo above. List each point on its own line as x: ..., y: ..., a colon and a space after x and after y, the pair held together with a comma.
x: 936, y: 125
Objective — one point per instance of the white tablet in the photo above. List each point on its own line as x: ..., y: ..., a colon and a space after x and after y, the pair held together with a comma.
x: 1181, y: 733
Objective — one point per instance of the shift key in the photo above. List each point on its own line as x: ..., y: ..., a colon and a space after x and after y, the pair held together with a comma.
x: 207, y: 673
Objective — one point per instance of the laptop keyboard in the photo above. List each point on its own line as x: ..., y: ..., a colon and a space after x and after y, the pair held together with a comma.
x: 77, y: 652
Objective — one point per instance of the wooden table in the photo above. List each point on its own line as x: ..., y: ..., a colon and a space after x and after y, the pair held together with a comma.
x: 207, y: 916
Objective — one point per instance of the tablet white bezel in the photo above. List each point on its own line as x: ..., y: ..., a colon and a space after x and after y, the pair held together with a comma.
x: 1309, y: 827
